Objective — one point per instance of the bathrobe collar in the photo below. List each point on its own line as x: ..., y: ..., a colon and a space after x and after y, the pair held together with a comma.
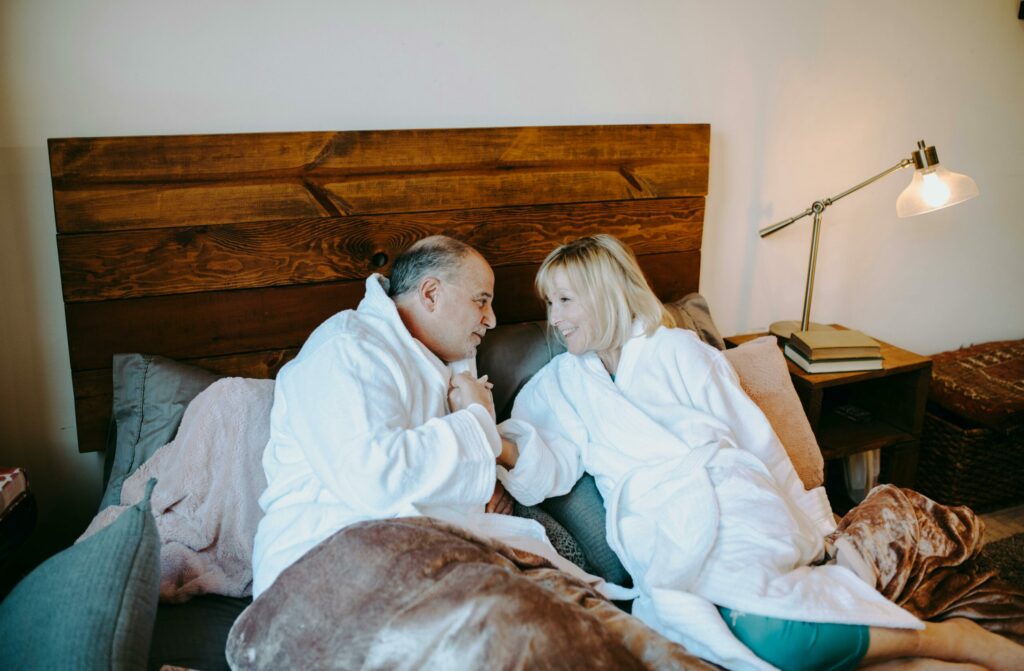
x: 627, y: 357
x: 377, y: 302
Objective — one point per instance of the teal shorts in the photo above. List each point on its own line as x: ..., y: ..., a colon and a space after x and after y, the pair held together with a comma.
x: 800, y: 646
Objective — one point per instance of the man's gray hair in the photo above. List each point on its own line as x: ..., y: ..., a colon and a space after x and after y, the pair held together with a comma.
x: 437, y: 255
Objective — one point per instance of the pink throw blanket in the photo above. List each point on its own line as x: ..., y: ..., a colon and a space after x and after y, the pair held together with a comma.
x: 209, y: 479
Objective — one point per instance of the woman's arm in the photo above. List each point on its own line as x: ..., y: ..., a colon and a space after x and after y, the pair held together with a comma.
x: 548, y: 436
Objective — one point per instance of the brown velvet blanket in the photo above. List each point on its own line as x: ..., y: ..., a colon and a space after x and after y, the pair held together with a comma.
x: 921, y: 555
x: 416, y: 593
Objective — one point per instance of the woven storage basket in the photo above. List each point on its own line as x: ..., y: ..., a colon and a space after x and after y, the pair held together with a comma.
x: 979, y: 467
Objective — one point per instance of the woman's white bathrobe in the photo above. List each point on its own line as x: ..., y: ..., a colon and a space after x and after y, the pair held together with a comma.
x: 360, y: 429
x: 704, y: 506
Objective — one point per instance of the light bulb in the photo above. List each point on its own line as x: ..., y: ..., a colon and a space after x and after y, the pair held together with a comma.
x: 934, y: 188
x: 934, y: 191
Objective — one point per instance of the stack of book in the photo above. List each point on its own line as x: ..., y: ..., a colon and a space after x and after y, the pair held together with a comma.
x: 834, y: 351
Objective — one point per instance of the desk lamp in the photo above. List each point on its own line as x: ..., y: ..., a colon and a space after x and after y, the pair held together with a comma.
x: 932, y: 188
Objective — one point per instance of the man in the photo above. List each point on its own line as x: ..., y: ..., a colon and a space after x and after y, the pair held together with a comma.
x: 381, y: 415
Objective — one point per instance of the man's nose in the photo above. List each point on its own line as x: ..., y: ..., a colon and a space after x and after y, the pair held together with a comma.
x: 489, y: 318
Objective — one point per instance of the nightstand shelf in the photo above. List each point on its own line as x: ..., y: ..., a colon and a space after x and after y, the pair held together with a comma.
x: 839, y: 437
x: 894, y: 397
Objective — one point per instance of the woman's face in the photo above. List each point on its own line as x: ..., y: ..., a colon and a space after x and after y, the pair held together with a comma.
x: 567, y: 313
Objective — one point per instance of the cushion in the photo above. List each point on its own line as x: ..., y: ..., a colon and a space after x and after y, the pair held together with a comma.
x: 764, y: 375
x: 91, y: 606
x: 582, y: 513
x: 692, y: 312
x: 983, y: 383
x: 150, y: 396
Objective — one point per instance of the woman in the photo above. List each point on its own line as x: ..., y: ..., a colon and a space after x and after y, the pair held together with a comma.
x: 704, y: 507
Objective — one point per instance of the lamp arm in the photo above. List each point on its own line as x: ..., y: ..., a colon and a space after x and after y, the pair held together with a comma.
x: 819, y: 205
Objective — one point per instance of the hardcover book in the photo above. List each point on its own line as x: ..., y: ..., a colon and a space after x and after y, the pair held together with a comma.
x: 838, y: 344
x: 833, y: 365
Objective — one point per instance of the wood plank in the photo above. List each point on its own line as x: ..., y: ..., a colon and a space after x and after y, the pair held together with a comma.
x: 128, y: 264
x: 673, y: 275
x: 134, y: 207
x: 129, y: 183
x: 126, y: 208
x: 189, y: 326
x: 180, y: 158
x: 220, y: 323
x: 93, y: 401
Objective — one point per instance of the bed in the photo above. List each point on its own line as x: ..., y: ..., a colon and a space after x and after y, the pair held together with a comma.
x: 224, y: 251
x: 184, y: 259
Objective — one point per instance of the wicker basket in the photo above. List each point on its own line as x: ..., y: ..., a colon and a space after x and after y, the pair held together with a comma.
x: 978, y: 467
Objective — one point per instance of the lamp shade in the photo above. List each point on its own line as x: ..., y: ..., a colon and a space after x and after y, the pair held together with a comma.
x: 933, y: 187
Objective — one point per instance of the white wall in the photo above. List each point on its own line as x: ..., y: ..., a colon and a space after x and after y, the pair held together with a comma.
x: 805, y: 99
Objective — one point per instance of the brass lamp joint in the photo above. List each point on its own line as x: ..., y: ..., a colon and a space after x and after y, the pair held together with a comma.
x: 924, y: 156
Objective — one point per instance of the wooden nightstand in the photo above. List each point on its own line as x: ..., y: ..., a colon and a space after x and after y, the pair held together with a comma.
x: 895, y: 396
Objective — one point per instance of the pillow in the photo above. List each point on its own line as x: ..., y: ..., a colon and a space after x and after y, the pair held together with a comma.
x: 150, y: 396
x: 561, y: 540
x: 692, y: 312
x: 764, y: 375
x: 582, y: 513
x: 91, y: 606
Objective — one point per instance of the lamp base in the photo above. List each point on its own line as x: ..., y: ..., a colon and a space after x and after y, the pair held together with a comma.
x: 784, y: 329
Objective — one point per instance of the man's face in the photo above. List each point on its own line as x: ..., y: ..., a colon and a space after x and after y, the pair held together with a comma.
x: 464, y: 313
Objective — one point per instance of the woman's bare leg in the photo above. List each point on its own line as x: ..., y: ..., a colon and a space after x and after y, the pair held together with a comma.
x: 955, y: 640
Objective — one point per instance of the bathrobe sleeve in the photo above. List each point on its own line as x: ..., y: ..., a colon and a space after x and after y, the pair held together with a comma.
x: 357, y: 414
x: 726, y: 400
x: 548, y: 433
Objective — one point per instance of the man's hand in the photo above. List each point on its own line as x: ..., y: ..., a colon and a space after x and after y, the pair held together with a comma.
x: 466, y: 390
x: 501, y: 501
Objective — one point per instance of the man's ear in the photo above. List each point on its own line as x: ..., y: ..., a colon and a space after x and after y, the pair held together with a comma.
x: 429, y: 289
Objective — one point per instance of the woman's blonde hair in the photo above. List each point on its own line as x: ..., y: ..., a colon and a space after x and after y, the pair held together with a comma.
x: 605, y: 274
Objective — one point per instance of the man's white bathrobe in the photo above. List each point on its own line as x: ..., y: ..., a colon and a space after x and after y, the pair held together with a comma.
x: 704, y: 506
x: 360, y: 429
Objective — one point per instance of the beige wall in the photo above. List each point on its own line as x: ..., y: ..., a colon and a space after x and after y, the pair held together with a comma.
x: 804, y: 98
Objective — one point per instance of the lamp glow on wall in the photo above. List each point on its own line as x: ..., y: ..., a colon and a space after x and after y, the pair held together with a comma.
x: 932, y: 188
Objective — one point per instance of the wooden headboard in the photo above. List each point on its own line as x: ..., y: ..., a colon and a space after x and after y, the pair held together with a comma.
x: 227, y: 250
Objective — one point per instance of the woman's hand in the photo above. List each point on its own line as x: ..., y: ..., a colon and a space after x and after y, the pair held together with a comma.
x: 501, y: 501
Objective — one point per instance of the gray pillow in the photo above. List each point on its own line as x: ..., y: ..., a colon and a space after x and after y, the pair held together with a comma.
x: 150, y: 396
x: 91, y: 606
x: 581, y: 512
x: 692, y: 312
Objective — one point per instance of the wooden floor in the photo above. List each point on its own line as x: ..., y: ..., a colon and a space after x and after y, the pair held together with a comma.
x: 1000, y: 524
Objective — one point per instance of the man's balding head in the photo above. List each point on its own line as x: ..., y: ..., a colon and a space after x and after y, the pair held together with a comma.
x: 443, y: 289
x: 437, y: 255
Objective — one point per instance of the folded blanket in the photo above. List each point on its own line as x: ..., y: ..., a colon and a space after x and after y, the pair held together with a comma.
x: 920, y: 554
x: 419, y: 593
x: 209, y: 479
